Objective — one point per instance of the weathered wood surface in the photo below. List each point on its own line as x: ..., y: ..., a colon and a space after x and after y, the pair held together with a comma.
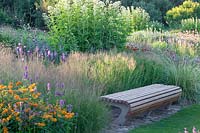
x: 143, y: 98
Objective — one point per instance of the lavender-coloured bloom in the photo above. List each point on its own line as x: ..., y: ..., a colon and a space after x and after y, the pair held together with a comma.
x: 57, y: 93
x: 26, y: 75
x: 1, y: 81
x: 52, y: 55
x: 55, y: 53
x: 36, y: 77
x: 26, y: 68
x: 62, y: 85
x: 20, y: 50
x: 69, y: 108
x: 62, y: 103
x: 48, y: 86
x: 31, y: 80
x: 63, y: 57
x: 49, y: 53
x: 17, y: 50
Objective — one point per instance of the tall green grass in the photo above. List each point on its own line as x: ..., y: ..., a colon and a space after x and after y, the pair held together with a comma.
x: 191, y: 25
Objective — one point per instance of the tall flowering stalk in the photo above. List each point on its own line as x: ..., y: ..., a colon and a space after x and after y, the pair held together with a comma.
x: 25, y: 73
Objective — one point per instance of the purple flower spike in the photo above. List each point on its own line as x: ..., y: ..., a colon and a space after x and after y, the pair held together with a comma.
x: 49, y: 53
x: 31, y: 80
x: 48, y: 86
x: 26, y: 75
x: 63, y: 57
x: 20, y: 50
x: 36, y: 77
x: 17, y: 50
x: 62, y: 103
x: 62, y: 85
x: 26, y: 68
x: 1, y: 81
x: 69, y: 108
x: 57, y: 93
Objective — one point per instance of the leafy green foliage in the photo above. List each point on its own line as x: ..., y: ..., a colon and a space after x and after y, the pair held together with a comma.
x: 139, y: 19
x: 187, y: 10
x: 191, y: 24
x: 5, y: 19
x: 155, y: 8
x: 88, y: 25
x: 26, y: 11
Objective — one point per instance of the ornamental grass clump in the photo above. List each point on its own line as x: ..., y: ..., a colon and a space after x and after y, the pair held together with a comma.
x: 24, y: 109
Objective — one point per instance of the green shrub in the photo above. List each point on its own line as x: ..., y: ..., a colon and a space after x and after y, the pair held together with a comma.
x: 149, y: 7
x: 160, y: 45
x: 191, y: 24
x: 5, y: 19
x: 187, y: 10
x: 25, y: 12
x: 139, y: 18
x: 156, y: 26
x: 26, y: 36
x: 88, y: 25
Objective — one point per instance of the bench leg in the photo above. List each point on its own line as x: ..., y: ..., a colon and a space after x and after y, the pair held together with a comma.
x: 121, y: 119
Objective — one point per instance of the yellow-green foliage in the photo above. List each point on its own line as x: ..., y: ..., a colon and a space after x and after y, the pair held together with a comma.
x: 187, y: 10
x: 191, y: 24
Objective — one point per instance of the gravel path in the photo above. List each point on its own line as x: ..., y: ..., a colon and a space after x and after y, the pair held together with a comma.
x: 143, y: 119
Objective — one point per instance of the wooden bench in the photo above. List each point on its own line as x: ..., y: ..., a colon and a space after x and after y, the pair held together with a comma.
x: 136, y: 101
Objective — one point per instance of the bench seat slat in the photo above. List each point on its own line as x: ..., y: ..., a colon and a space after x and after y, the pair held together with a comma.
x: 164, y: 89
x: 153, y: 95
x: 135, y: 91
x: 153, y: 102
x: 142, y: 92
x: 154, y: 99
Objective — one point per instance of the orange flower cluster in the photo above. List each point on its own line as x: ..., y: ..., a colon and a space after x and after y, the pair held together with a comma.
x: 24, y: 105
